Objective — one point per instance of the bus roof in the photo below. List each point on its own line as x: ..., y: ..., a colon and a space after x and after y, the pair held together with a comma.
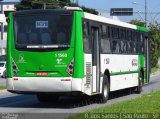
x: 41, y: 11
x: 113, y: 22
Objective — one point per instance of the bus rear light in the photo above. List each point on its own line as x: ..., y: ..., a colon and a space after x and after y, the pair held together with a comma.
x: 15, y: 68
x: 70, y: 68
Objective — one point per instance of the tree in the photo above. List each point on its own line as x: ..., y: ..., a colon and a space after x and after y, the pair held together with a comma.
x: 51, y: 4
x: 36, y: 4
x: 137, y: 22
x: 154, y: 33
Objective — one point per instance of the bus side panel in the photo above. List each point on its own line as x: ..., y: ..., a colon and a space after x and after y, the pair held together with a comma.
x: 123, y: 70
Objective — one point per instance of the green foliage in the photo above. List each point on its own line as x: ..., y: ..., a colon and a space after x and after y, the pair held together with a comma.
x: 154, y: 70
x: 137, y: 22
x: 85, y: 9
x: 37, y: 4
x: 147, y: 104
x: 2, y: 87
x: 89, y: 10
x: 154, y: 34
x: 51, y: 4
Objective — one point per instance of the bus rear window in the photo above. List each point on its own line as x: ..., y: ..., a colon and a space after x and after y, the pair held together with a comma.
x: 42, y: 30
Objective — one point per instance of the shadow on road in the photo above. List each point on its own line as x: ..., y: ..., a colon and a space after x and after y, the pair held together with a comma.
x: 65, y: 102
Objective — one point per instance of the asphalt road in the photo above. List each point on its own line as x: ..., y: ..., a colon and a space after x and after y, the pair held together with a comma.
x: 3, y: 81
x: 29, y: 105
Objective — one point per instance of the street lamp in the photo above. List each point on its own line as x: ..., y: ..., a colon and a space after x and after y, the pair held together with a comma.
x: 145, y: 5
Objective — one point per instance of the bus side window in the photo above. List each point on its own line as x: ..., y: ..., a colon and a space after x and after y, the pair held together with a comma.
x: 141, y: 43
x: 86, y: 40
x: 105, y: 42
x: 129, y: 48
x: 123, y: 43
x: 115, y: 46
x: 115, y: 40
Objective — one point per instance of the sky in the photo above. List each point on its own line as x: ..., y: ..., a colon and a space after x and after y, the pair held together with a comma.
x: 104, y: 7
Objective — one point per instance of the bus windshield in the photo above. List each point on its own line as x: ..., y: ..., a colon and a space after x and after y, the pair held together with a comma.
x: 42, y: 30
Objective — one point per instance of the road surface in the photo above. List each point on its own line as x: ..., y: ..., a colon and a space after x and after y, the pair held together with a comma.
x: 28, y: 104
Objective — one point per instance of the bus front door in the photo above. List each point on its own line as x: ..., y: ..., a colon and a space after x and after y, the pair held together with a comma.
x: 95, y: 60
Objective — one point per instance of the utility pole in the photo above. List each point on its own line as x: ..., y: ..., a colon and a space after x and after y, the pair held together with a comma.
x: 145, y: 13
x: 145, y: 8
x: 77, y: 1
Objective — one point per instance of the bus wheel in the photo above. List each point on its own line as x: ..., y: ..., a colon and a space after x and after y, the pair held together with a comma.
x: 47, y: 98
x: 140, y: 84
x: 105, y: 90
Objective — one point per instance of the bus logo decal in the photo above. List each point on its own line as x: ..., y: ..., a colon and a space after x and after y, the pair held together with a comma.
x: 41, y: 24
x: 21, y: 58
x: 134, y: 62
x: 59, y: 61
x: 106, y: 61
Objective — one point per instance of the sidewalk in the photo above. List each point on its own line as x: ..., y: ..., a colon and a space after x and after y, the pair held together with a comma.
x: 156, y: 73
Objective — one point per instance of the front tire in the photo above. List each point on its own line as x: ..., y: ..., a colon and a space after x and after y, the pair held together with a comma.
x: 105, y: 90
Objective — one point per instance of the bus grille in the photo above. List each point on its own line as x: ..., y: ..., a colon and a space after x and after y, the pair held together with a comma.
x: 88, y: 72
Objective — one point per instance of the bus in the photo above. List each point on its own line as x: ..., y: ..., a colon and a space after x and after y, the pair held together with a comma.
x: 58, y: 52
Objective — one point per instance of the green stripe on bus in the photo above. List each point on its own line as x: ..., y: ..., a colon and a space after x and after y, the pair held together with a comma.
x: 9, y: 41
x: 119, y: 73
x: 144, y: 29
x: 125, y: 72
x: 79, y: 55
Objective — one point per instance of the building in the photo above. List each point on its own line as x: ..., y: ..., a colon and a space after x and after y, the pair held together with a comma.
x: 6, y: 6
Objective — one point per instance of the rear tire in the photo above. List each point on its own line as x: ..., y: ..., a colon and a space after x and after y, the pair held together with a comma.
x: 47, y: 98
x: 105, y: 90
x: 140, y: 83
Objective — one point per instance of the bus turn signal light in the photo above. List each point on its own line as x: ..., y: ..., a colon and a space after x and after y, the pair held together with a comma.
x: 15, y: 68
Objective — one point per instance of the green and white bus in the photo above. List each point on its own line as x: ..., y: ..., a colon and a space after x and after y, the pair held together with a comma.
x: 56, y: 52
